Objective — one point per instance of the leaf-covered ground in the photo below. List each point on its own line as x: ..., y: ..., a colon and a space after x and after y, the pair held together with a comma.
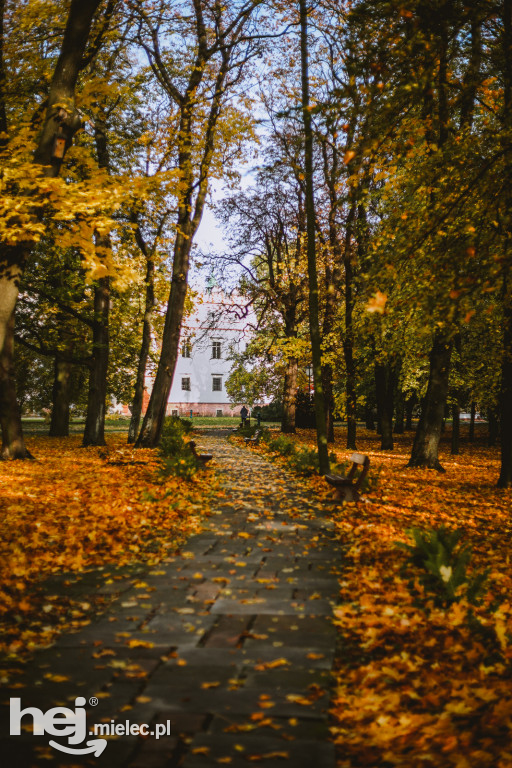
x: 419, y: 684
x: 76, y: 509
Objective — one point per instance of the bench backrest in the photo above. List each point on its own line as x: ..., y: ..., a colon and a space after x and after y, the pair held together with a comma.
x: 358, y: 459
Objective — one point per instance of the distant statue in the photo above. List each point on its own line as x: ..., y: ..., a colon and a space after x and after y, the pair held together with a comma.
x: 243, y: 415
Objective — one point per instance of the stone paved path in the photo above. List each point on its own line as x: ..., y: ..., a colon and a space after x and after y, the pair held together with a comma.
x: 231, y: 641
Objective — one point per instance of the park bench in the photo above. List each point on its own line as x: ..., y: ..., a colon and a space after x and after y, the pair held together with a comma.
x: 347, y: 488
x: 255, y: 439
x: 204, y: 458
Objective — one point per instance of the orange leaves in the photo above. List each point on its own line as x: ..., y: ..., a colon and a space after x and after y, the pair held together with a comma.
x: 271, y: 664
x: 419, y: 684
x: 78, y: 508
x: 377, y: 303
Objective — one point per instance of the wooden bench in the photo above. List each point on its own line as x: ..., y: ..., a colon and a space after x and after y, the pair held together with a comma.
x: 204, y: 458
x: 347, y: 488
x: 254, y: 440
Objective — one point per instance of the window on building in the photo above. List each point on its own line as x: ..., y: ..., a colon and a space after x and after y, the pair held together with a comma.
x: 186, y: 348
x: 219, y: 412
x: 174, y: 412
x: 217, y: 384
x: 216, y: 350
x: 185, y: 383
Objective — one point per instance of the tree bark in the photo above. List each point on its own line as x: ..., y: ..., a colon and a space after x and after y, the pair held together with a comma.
x: 314, y: 324
x: 472, y: 423
x: 428, y: 432
x: 94, y: 431
x: 368, y: 417
x: 409, y: 409
x: 494, y: 431
x: 399, y: 427
x: 289, y: 396
x: 13, y: 444
x: 455, y: 429
x: 138, y: 396
x: 505, y: 478
x: 59, y: 424
x: 327, y: 377
x: 385, y: 390
x: 12, y: 258
x: 189, y: 217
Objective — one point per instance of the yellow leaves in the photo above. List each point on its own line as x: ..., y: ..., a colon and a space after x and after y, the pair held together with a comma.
x: 296, y: 698
x: 61, y: 514
x: 56, y: 678
x: 272, y: 664
x: 377, y: 304
x: 276, y: 755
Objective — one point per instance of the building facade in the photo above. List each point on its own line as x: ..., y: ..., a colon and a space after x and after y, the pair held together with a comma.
x: 217, y: 326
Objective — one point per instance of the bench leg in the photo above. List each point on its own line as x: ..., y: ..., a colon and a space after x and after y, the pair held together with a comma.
x: 346, y: 493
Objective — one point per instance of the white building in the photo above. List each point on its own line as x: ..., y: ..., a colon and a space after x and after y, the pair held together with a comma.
x: 217, y: 326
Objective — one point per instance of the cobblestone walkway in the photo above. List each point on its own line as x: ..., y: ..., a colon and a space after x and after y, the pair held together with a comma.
x: 230, y: 641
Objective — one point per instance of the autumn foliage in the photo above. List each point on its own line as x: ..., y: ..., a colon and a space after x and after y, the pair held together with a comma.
x: 419, y: 682
x: 76, y: 509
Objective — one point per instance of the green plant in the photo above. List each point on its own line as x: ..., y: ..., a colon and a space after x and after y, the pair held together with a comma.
x: 304, y: 461
x: 176, y: 458
x: 247, y: 430
x: 283, y: 445
x: 445, y: 563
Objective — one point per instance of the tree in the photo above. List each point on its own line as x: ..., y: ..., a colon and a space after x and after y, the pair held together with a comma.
x: 60, y: 123
x: 266, y: 230
x: 197, y: 77
x: 314, y: 323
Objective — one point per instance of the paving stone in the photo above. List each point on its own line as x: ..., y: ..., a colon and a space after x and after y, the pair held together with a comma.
x: 227, y: 632
x: 202, y: 641
x: 277, y: 607
x: 299, y: 754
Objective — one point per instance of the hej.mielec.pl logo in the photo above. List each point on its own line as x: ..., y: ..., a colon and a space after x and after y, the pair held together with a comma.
x: 63, y: 722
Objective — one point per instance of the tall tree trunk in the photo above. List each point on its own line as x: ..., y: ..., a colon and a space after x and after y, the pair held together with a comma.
x: 314, y: 324
x: 505, y: 478
x: 385, y: 390
x: 155, y: 414
x: 428, y: 432
x: 138, y: 396
x: 12, y: 258
x: 13, y: 445
x: 94, y: 431
x: 409, y: 409
x: 289, y: 396
x: 59, y: 424
x: 494, y: 424
x: 472, y: 423
x: 189, y: 217
x: 399, y: 427
x: 327, y: 377
x: 455, y: 429
x: 368, y: 417
x: 350, y: 366
x: 348, y: 339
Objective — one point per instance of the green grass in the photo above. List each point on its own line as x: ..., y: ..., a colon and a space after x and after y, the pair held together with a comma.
x: 41, y: 426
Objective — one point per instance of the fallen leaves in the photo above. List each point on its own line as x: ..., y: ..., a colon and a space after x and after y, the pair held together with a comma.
x: 418, y: 684
x: 72, y: 510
